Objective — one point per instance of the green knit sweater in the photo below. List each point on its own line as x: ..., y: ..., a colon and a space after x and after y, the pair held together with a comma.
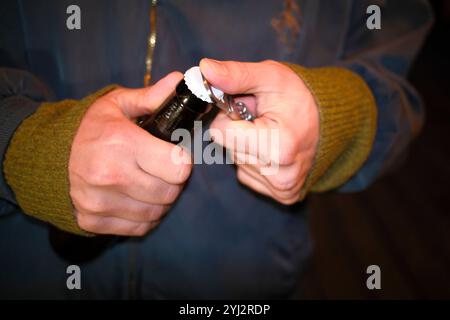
x: 36, y: 162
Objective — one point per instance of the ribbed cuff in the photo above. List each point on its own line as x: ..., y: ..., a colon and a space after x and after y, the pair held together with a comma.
x: 36, y: 162
x: 348, y: 121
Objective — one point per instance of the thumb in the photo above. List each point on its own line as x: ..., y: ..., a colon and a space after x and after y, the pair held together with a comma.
x: 138, y: 102
x: 235, y: 77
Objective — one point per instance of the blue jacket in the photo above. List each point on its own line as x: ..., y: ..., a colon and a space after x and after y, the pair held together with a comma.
x: 220, y: 240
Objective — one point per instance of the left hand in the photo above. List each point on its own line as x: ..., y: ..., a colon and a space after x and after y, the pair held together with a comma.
x: 280, y: 100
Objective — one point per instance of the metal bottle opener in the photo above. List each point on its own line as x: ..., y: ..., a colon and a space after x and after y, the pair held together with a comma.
x: 235, y: 110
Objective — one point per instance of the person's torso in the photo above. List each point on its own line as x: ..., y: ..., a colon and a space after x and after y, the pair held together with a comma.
x: 217, y: 224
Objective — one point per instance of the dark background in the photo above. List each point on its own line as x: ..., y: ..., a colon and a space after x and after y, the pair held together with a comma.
x: 402, y: 222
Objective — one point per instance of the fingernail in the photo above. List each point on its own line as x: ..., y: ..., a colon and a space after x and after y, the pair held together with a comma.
x: 217, y: 67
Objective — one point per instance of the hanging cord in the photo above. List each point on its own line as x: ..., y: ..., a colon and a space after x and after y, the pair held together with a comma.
x: 151, y: 43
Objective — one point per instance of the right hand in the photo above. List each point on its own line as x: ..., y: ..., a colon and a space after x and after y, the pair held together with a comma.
x: 122, y: 179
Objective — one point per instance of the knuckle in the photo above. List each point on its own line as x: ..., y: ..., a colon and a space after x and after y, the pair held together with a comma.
x: 86, y: 222
x: 288, y: 156
x: 105, y: 175
x: 244, y: 75
x: 283, y: 183
x: 171, y: 194
x: 154, y: 213
x: 77, y: 197
x: 159, y: 212
x: 183, y: 172
x: 150, y: 213
x: 275, y: 66
x: 141, y: 229
x: 280, y: 72
x: 94, y: 205
x: 288, y: 202
x: 271, y: 62
x: 115, y: 135
x: 281, y: 68
x: 114, y: 94
x: 290, y: 196
x: 241, y: 176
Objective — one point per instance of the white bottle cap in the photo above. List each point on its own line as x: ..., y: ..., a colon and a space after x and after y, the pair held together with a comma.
x: 194, y: 81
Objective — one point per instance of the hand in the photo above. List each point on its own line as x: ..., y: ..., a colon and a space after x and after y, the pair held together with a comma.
x: 122, y: 179
x: 281, y: 101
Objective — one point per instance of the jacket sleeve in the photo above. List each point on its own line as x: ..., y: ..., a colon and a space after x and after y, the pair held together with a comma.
x: 35, y: 165
x: 20, y: 95
x: 27, y: 168
x: 383, y: 59
x: 20, y: 91
x: 368, y: 111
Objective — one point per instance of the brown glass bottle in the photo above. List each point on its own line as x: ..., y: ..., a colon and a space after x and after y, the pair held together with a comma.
x: 179, y: 112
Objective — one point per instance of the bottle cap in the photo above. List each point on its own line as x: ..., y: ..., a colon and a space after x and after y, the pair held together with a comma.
x: 200, y: 87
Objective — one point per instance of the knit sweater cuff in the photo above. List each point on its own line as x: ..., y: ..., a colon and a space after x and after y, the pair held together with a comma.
x: 36, y: 161
x: 348, y: 116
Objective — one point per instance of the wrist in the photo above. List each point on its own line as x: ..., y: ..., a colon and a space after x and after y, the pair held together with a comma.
x: 37, y: 157
x: 347, y: 125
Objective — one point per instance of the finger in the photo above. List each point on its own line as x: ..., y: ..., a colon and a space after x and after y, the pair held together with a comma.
x: 253, y: 180
x: 235, y: 77
x: 149, y: 189
x: 251, y: 137
x: 246, y: 179
x: 113, y: 226
x: 161, y: 159
x: 280, y: 193
x: 280, y: 178
x: 136, y: 211
x: 138, y: 102
x: 250, y: 160
x: 112, y: 203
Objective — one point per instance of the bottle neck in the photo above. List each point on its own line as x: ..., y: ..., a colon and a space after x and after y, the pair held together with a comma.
x: 190, y: 100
